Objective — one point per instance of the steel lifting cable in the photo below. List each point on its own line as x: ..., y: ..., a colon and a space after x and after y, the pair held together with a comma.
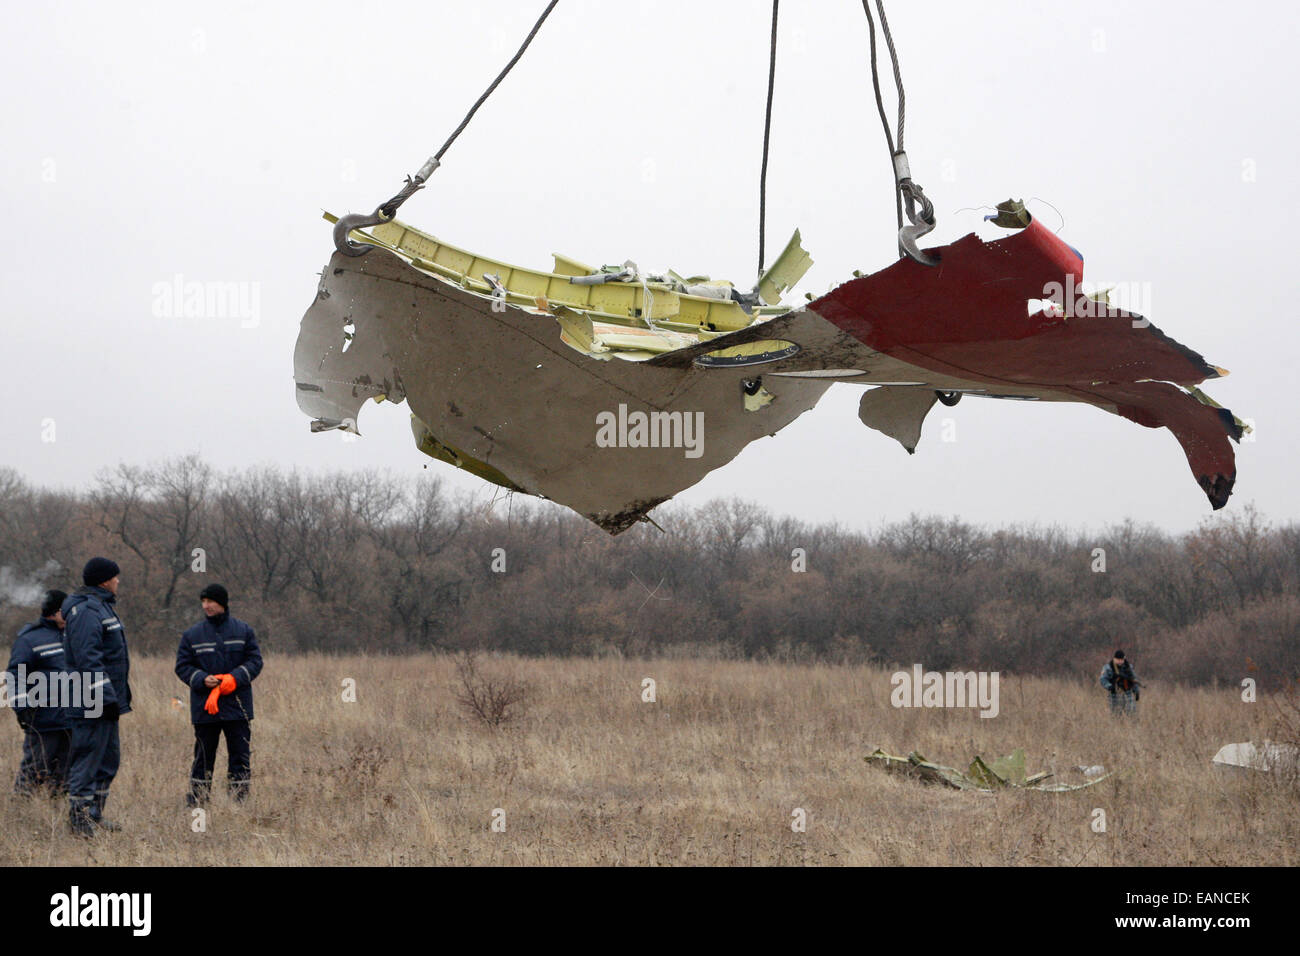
x: 386, y: 211
x: 905, y: 190
x: 880, y: 104
x: 767, y: 133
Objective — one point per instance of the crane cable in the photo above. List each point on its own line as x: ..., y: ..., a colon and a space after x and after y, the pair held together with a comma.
x: 767, y: 133
x: 386, y: 211
x: 906, y: 192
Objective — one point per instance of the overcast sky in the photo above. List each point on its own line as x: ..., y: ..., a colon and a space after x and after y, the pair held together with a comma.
x: 144, y: 143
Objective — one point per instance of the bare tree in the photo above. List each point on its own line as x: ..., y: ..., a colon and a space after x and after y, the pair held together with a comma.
x: 179, y: 511
x: 118, y: 504
x: 250, y: 529
x: 1239, y: 549
x: 493, y: 699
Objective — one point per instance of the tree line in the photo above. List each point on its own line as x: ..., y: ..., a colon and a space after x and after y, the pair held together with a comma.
x: 374, y: 563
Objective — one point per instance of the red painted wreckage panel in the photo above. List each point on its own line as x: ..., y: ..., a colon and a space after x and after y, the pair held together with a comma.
x: 502, y: 388
x: 967, y: 317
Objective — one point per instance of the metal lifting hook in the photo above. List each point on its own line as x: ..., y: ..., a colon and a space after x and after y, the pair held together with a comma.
x: 355, y: 220
x: 922, y: 222
x: 382, y: 214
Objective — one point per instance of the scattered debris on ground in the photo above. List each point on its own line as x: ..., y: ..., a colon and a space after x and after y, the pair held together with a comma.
x: 986, y: 776
x: 1265, y: 757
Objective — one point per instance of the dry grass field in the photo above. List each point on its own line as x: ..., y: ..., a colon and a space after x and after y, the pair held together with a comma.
x: 710, y: 773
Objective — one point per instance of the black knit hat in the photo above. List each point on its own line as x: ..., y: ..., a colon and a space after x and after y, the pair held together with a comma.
x: 51, y: 601
x: 215, y: 592
x: 1119, y: 655
x: 99, y: 570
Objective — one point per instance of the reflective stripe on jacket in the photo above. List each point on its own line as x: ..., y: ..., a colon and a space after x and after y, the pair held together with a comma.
x: 227, y: 646
x: 39, y: 649
x: 94, y: 645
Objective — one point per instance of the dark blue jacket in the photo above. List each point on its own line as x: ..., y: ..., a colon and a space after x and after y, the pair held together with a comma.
x: 219, y: 645
x: 39, y: 648
x: 94, y: 644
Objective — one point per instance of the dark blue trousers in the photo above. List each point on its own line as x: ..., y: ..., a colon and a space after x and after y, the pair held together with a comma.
x: 45, y: 761
x: 207, y: 735
x: 93, y: 761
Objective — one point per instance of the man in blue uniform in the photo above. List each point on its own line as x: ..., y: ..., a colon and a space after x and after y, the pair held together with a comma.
x: 47, y: 733
x: 94, y: 644
x: 216, y: 647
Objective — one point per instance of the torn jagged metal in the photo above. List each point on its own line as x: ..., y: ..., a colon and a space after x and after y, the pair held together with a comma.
x: 897, y: 412
x: 497, y: 385
x: 985, y: 776
x: 790, y: 266
x: 967, y: 320
x: 610, y: 390
x: 425, y: 441
x: 1011, y: 214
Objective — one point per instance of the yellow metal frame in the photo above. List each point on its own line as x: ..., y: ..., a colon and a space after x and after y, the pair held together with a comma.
x: 598, y: 320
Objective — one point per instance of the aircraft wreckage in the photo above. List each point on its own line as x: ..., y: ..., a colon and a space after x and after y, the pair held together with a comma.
x: 610, y: 389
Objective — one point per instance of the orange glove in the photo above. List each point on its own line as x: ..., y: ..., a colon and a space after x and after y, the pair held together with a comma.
x: 227, y: 686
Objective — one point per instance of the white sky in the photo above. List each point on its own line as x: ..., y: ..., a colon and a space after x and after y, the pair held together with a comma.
x: 201, y: 140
